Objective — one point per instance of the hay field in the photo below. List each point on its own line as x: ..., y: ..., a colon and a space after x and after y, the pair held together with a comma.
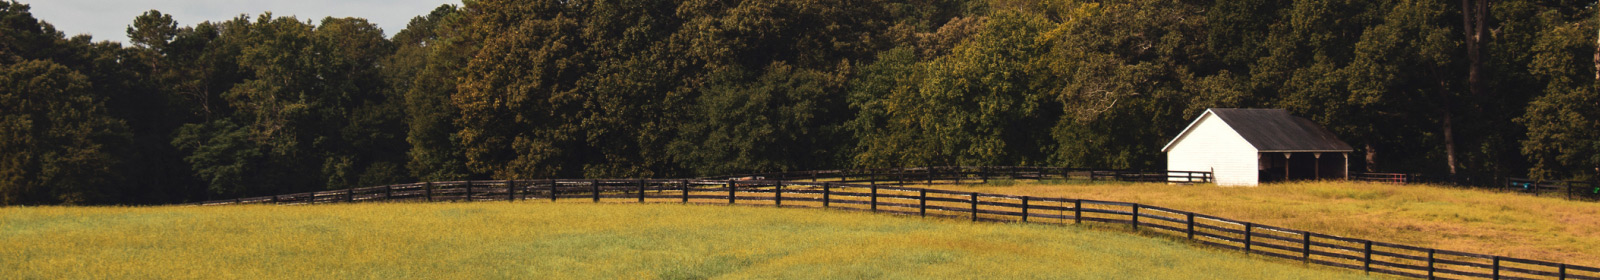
x: 573, y: 240
x: 1479, y: 221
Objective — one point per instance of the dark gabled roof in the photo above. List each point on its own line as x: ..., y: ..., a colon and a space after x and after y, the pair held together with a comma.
x: 1275, y: 130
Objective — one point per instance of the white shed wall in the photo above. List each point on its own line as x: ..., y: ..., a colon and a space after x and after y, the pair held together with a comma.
x: 1211, y: 145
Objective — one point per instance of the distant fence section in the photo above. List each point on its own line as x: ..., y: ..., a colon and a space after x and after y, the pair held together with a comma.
x: 877, y: 191
x: 1393, y: 178
x: 977, y: 174
x: 1572, y: 189
x: 1578, y: 190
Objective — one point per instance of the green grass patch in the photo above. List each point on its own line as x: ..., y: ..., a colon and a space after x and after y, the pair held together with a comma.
x: 580, y: 240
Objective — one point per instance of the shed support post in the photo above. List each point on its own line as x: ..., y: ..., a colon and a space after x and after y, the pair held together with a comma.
x: 1317, y: 165
x: 1346, y: 166
x: 1286, y: 166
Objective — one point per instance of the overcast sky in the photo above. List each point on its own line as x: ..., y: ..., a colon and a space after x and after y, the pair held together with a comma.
x: 109, y: 19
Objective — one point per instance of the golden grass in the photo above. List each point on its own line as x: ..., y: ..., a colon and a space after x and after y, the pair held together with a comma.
x: 582, y: 241
x: 1478, y: 221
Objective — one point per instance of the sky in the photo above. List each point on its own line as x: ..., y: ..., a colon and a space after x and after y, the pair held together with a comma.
x: 109, y: 19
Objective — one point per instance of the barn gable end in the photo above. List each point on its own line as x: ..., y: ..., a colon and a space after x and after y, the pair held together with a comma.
x: 1210, y: 144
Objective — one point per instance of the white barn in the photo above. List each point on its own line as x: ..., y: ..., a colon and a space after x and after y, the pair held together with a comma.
x: 1245, y: 147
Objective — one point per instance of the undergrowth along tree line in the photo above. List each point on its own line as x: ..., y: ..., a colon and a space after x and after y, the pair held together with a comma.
x: 266, y: 104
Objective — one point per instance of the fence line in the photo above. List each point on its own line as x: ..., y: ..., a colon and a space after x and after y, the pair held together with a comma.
x: 880, y: 191
x: 1573, y: 190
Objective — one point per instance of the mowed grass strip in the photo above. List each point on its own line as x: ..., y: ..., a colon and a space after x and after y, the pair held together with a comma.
x: 583, y: 241
x: 1471, y: 220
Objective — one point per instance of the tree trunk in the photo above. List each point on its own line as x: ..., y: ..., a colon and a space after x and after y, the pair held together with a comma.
x: 1449, y: 140
x: 1474, y: 14
x: 1372, y: 157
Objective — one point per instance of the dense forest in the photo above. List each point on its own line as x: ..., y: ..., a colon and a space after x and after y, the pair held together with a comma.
x: 500, y: 89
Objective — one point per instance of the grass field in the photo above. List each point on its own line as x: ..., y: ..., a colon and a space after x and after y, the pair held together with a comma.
x: 1507, y: 224
x: 582, y: 240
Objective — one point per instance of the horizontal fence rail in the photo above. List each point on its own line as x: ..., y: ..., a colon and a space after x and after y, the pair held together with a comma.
x: 975, y: 174
x: 880, y: 191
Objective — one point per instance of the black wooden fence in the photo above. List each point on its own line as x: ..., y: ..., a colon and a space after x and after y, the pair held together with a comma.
x: 850, y: 190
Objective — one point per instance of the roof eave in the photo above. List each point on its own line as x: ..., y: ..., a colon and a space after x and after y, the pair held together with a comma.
x: 1306, y: 151
x: 1185, y: 132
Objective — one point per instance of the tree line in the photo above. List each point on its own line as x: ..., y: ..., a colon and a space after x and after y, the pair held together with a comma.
x: 503, y: 89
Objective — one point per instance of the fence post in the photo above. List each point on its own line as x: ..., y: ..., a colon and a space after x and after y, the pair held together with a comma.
x: 1136, y: 218
x: 900, y: 175
x: 827, y: 192
x: 274, y: 199
x: 469, y: 190
x: 974, y: 207
x: 685, y: 191
x: 1024, y: 208
x: 350, y: 195
x: 1248, y: 230
x: 552, y: 190
x: 1496, y: 267
x: 388, y: 194
x: 1077, y: 211
x: 1562, y: 271
x: 641, y: 190
x: 595, y: 185
x: 1366, y: 260
x: 1305, y: 251
x: 1431, y: 269
x: 983, y: 173
x: 511, y: 190
x: 930, y: 175
x: 1190, y: 224
x: 777, y: 194
x: 731, y: 188
x: 427, y: 188
x: 813, y: 175
x: 874, y: 197
x: 922, y: 202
